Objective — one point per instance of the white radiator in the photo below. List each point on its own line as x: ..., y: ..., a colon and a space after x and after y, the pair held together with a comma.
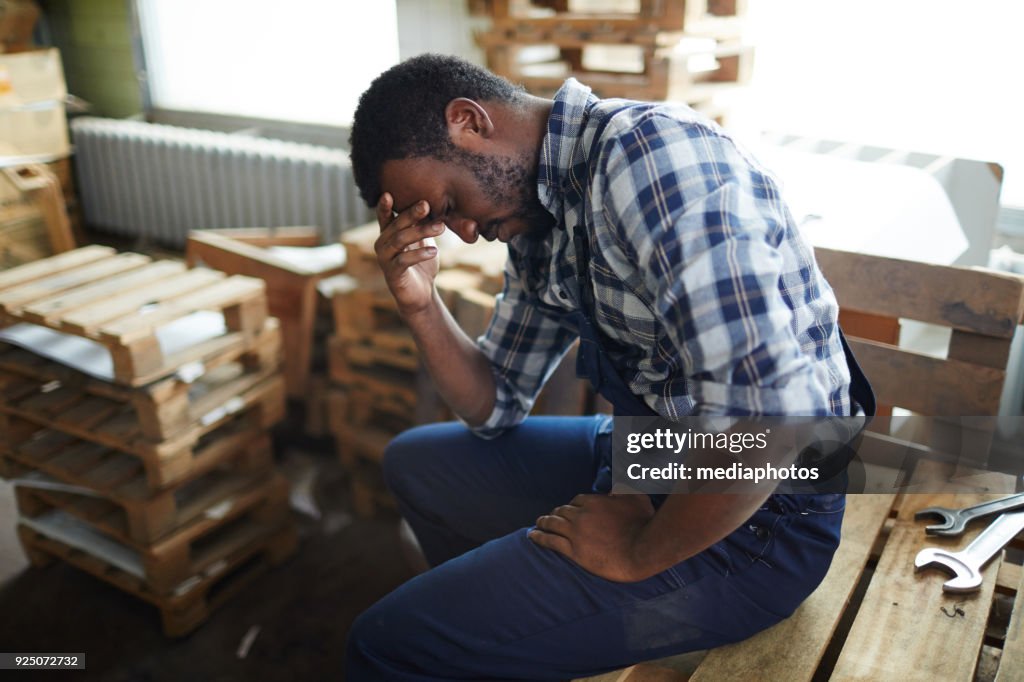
x: 157, y: 182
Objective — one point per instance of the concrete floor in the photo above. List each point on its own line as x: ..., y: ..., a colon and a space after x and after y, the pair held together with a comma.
x: 303, y: 609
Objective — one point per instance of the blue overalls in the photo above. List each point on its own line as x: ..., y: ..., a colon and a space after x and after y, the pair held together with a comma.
x: 498, y: 607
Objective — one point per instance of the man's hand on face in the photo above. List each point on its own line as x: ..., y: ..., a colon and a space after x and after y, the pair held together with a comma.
x: 406, y: 253
x: 598, y: 532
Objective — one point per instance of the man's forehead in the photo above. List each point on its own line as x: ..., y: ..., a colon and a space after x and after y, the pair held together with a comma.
x: 410, y: 180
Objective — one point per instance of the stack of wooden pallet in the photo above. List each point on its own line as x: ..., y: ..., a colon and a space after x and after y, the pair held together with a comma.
x: 138, y: 445
x: 378, y: 387
x: 294, y: 266
x: 689, y: 51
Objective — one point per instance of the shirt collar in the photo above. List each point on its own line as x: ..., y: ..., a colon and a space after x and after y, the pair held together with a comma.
x: 565, y: 126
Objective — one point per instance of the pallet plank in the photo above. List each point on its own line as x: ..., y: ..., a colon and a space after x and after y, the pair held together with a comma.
x: 49, y: 310
x: 954, y: 387
x: 973, y: 300
x: 232, y: 291
x: 12, y: 300
x: 87, y: 319
x: 48, y: 266
x: 901, y: 631
x: 1011, y: 663
x: 770, y: 655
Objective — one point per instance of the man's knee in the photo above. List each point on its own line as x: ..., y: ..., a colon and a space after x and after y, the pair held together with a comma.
x: 403, y: 456
x: 367, y: 646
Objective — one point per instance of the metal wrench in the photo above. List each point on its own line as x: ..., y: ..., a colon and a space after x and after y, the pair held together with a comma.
x: 955, y: 520
x: 966, y: 564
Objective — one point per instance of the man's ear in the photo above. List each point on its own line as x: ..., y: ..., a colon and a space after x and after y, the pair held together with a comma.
x: 469, y: 124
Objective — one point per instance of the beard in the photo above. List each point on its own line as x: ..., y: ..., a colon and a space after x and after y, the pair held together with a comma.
x: 511, y: 182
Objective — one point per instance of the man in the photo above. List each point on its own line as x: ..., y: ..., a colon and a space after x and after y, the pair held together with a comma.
x: 642, y: 230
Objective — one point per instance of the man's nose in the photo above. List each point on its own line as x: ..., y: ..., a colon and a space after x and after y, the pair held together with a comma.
x: 465, y: 228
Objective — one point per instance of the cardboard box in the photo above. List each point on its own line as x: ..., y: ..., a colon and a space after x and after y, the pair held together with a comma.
x: 32, y: 117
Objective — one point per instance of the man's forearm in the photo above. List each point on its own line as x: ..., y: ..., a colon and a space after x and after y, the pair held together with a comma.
x: 460, y: 371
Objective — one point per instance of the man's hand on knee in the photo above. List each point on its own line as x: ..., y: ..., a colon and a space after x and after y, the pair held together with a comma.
x: 599, y: 533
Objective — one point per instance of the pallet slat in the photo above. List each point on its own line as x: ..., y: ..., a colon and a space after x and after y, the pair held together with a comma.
x: 48, y: 266
x: 902, y: 632
x: 12, y: 300
x: 770, y: 655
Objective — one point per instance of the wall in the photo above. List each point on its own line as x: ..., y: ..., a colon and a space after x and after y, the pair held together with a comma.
x: 95, y: 39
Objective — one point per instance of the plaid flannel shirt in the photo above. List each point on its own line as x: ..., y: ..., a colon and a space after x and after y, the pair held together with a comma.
x: 709, y: 301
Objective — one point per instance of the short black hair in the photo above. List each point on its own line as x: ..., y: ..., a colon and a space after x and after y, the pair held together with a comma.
x: 401, y: 115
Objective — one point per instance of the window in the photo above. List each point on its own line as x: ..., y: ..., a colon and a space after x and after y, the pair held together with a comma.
x: 935, y: 76
x: 303, y: 60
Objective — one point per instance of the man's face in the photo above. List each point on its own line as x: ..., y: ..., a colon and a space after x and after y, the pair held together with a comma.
x: 494, y: 197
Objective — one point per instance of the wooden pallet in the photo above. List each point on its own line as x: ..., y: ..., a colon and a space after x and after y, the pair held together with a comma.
x: 42, y: 447
x: 370, y: 497
x: 692, y: 16
x: 120, y: 300
x: 259, y: 504
x: 378, y: 380
x: 160, y: 410
x: 291, y: 289
x: 652, y: 74
x: 363, y: 424
x: 360, y: 256
x: 259, y: 400
x: 201, y: 595
x: 874, y: 618
x: 121, y: 503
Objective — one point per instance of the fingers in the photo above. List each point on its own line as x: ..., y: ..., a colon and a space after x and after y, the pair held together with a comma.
x: 404, y: 231
x: 407, y: 259
x: 558, y: 525
x: 551, y: 541
x: 384, y: 206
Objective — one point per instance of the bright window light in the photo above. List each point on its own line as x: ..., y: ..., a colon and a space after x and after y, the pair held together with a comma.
x: 302, y: 60
x: 935, y: 76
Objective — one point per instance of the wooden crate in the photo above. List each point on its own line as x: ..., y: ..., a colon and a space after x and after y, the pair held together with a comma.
x: 291, y: 290
x: 247, y: 557
x: 121, y: 502
x: 162, y: 409
x: 120, y: 300
x: 247, y: 514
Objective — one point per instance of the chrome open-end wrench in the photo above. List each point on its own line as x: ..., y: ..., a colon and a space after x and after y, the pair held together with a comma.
x: 966, y: 565
x: 955, y: 520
